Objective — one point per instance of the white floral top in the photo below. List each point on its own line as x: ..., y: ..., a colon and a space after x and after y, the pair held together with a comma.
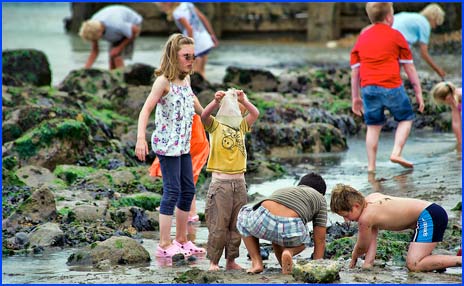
x: 173, y: 121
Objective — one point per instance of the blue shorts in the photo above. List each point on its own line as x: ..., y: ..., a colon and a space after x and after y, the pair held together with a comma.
x: 204, y: 53
x: 431, y: 224
x: 377, y: 98
x: 284, y: 231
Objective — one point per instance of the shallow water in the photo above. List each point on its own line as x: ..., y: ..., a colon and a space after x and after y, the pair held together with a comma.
x: 436, y: 176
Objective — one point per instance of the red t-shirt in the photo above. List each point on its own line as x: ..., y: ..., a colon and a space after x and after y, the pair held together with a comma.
x: 378, y: 53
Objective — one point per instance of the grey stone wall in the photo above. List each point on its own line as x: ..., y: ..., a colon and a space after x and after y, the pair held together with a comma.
x: 313, y: 21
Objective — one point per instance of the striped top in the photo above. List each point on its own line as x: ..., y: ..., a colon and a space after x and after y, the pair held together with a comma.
x: 308, y: 203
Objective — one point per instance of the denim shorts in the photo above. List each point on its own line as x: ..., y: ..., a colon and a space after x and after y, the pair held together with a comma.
x: 377, y: 98
x: 284, y: 231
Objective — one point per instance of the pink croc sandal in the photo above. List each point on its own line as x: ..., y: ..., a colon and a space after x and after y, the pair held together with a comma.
x: 189, y: 246
x: 171, y: 251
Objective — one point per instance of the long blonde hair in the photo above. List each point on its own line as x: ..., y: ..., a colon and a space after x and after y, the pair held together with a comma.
x: 441, y: 90
x: 169, y: 59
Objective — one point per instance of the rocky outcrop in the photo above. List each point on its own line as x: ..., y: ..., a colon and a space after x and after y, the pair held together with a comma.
x: 251, y: 79
x: 23, y: 67
x: 139, y: 74
x: 317, y: 271
x: 46, y: 235
x: 40, y: 207
x: 117, y: 250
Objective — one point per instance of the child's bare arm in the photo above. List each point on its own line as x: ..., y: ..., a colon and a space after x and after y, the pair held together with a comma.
x: 356, y: 101
x: 414, y: 79
x: 157, y: 91
x: 365, y: 236
x: 253, y: 111
x: 93, y: 55
x: 319, y: 241
x: 197, y: 106
x: 370, y: 255
x: 206, y: 114
x: 184, y: 22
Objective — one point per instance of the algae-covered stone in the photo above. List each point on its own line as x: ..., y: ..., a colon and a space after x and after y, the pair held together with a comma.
x: 317, y: 271
x: 26, y: 66
x: 116, y: 250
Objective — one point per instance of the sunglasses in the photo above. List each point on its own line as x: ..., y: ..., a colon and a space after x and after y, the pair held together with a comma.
x: 189, y: 57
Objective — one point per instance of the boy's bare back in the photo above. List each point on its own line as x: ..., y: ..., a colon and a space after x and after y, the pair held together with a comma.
x: 392, y: 213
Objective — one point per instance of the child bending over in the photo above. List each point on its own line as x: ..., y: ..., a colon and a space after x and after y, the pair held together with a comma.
x: 377, y: 211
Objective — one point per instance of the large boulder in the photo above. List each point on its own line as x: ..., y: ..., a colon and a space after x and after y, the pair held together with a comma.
x: 251, y: 79
x: 282, y: 140
x: 38, y: 208
x: 53, y: 142
x: 93, y: 81
x: 317, y: 271
x: 139, y: 74
x: 117, y: 250
x: 25, y: 66
x: 36, y: 176
x: 46, y: 235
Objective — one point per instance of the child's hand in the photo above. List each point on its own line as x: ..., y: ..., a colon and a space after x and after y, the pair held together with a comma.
x: 241, y: 96
x: 420, y: 101
x: 141, y: 149
x: 353, y: 262
x: 219, y: 95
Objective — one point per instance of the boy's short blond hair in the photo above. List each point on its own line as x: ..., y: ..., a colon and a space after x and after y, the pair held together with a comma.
x: 442, y: 90
x: 434, y: 12
x: 378, y: 11
x: 90, y: 30
x: 344, y: 197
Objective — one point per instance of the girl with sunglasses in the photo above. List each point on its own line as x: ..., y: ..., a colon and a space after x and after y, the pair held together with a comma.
x: 175, y: 106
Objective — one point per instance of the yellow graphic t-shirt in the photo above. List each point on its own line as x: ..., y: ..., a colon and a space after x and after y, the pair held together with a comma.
x: 227, y: 153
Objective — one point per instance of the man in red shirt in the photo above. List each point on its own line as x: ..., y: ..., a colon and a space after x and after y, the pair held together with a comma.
x: 376, y: 60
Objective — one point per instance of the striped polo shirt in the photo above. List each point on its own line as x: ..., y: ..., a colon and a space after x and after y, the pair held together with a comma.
x: 308, y: 203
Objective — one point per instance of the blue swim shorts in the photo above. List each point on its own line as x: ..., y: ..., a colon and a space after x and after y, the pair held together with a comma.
x: 431, y: 224
x: 284, y: 231
x: 377, y: 98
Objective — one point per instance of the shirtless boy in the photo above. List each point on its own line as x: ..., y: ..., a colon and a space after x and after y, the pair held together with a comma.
x: 377, y: 211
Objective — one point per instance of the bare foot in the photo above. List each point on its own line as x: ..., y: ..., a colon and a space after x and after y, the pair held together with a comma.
x: 231, y: 265
x: 256, y: 267
x: 287, y: 262
x: 213, y: 267
x: 401, y: 161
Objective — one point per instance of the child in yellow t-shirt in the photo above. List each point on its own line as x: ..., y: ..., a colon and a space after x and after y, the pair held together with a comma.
x: 227, y: 161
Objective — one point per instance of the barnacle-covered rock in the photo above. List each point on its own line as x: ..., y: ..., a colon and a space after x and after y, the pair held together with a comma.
x: 317, y: 271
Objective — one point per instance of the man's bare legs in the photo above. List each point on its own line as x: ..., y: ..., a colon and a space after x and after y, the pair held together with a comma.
x: 401, y: 136
x: 285, y: 256
x: 252, y: 245
x: 420, y: 259
x: 372, y: 143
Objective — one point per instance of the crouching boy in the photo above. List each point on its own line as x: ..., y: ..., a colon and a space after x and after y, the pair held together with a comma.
x: 282, y: 218
x: 377, y: 211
